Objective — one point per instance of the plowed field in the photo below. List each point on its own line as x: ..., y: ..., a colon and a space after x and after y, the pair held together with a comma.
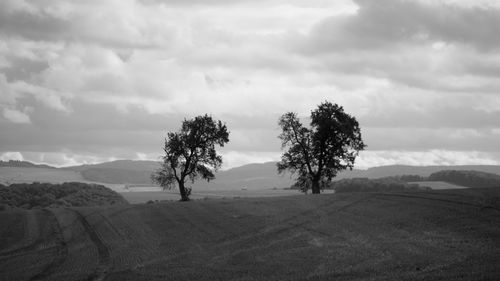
x: 437, y: 235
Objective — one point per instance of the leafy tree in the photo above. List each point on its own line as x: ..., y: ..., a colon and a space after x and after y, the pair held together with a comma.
x: 330, y: 144
x: 190, y: 154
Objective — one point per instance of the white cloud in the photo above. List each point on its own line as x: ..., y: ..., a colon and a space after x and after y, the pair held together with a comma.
x: 11, y: 155
x: 16, y: 116
x: 415, y: 81
x: 369, y: 159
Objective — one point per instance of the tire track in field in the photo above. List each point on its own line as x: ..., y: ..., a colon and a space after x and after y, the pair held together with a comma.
x: 16, y: 250
x: 456, y: 202
x: 299, y: 220
x: 62, y: 251
x: 104, y: 265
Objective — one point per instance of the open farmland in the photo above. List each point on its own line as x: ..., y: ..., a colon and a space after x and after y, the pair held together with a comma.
x: 437, y: 235
x: 135, y: 196
x: 438, y: 185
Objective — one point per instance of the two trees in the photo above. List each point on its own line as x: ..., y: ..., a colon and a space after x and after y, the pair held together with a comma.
x: 316, y: 153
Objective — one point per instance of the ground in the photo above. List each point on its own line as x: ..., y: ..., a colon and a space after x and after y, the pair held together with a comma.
x: 437, y: 235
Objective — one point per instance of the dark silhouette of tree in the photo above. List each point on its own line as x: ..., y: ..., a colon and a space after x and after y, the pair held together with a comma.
x: 190, y: 154
x: 330, y: 144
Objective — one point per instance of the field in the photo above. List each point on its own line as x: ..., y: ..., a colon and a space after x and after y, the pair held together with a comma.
x: 436, y: 235
x: 438, y: 185
x: 137, y: 196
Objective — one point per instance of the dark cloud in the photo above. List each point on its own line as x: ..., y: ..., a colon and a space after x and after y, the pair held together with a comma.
x: 37, y: 24
x: 88, y: 126
x: 434, y: 118
x: 21, y: 68
x: 424, y: 139
x: 199, y: 2
x: 389, y: 23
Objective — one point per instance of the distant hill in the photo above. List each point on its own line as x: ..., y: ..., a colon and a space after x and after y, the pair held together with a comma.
x: 423, y: 171
x: 9, y: 175
x: 251, y: 176
x: 118, y: 172
x: 23, y: 164
x: 130, y: 165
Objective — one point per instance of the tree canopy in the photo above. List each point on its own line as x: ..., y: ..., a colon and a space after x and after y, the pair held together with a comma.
x: 190, y: 154
x: 317, y: 153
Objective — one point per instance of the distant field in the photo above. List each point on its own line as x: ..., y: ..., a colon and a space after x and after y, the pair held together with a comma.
x: 438, y: 185
x: 137, y: 196
x: 437, y: 235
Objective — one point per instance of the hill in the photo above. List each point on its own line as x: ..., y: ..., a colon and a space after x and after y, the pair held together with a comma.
x: 453, y: 235
x: 23, y: 164
x: 9, y: 175
x: 252, y: 176
x: 118, y: 172
x: 423, y: 171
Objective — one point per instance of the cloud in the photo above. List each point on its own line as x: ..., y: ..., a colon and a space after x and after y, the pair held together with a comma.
x: 434, y: 157
x: 10, y: 155
x: 108, y: 79
x: 16, y: 116
x: 390, y: 23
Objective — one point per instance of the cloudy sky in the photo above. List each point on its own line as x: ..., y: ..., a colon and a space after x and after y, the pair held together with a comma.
x: 92, y: 81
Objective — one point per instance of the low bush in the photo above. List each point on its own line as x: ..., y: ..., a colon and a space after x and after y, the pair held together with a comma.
x: 68, y: 194
x: 467, y: 178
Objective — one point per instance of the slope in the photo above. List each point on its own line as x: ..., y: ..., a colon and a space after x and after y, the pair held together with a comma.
x: 445, y: 235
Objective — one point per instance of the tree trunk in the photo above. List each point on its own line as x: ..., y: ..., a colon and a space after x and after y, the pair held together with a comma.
x: 315, y: 187
x: 182, y: 189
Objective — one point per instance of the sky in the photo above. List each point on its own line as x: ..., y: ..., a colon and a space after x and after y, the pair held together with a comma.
x: 84, y: 82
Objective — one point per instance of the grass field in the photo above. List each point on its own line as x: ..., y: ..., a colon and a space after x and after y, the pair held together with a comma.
x: 438, y: 235
x: 438, y: 185
x: 135, y: 196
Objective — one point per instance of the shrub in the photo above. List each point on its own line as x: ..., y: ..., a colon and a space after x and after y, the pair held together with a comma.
x: 43, y: 195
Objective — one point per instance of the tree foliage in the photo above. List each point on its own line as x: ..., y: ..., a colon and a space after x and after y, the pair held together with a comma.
x: 475, y: 179
x: 317, y: 153
x: 190, y: 154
